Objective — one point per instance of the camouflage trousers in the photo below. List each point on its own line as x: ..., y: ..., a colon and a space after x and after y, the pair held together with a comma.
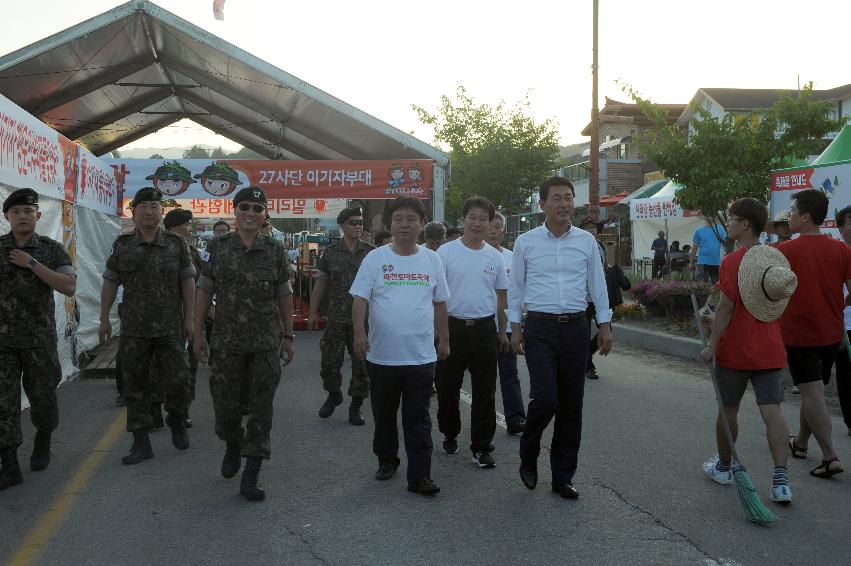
x: 258, y: 373
x: 39, y: 372
x: 337, y: 339
x: 170, y: 383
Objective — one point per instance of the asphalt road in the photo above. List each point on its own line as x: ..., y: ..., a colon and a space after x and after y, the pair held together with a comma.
x: 648, y: 427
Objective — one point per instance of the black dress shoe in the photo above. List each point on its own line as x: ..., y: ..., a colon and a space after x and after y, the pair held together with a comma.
x: 529, y: 475
x: 566, y: 490
x: 386, y: 471
x: 41, y: 451
x: 424, y: 487
x: 515, y: 426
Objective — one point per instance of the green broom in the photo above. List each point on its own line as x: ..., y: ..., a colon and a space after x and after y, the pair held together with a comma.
x: 755, y: 510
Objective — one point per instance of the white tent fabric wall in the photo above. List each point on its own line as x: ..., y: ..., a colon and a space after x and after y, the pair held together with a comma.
x: 645, y: 231
x: 96, y: 232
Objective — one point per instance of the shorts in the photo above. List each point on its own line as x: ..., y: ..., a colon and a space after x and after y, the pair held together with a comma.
x: 708, y: 273
x: 808, y: 364
x: 767, y: 385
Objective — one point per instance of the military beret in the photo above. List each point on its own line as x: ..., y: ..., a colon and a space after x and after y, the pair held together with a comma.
x: 250, y: 194
x: 347, y: 213
x: 21, y: 196
x: 177, y: 217
x: 146, y: 194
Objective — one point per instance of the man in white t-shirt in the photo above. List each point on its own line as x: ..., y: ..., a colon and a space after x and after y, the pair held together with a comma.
x: 404, y: 287
x: 478, y: 283
x: 512, y: 395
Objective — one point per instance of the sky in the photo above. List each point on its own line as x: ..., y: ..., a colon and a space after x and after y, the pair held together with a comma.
x: 384, y: 56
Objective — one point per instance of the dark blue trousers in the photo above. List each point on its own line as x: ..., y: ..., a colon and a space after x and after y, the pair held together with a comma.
x: 388, y: 385
x: 556, y: 354
x: 509, y: 383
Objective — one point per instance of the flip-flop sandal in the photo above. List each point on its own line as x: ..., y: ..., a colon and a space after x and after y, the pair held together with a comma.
x: 827, y: 471
x: 797, y: 451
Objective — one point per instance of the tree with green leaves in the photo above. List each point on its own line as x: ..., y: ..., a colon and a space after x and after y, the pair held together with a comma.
x: 497, y: 152
x: 156, y: 156
x: 196, y: 152
x: 720, y: 160
x: 218, y: 153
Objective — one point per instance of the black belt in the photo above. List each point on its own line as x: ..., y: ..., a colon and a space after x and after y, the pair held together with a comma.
x: 565, y: 317
x: 472, y: 321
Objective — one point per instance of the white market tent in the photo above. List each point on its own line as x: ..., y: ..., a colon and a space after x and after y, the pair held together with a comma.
x: 131, y: 71
x: 138, y: 68
x: 675, y: 223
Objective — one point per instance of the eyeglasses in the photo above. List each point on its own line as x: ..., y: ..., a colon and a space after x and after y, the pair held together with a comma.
x: 258, y: 208
x: 354, y: 222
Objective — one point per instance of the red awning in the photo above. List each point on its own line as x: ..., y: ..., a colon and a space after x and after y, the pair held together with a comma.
x: 612, y: 200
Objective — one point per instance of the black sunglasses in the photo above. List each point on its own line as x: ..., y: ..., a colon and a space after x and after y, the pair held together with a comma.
x: 354, y: 222
x: 258, y: 208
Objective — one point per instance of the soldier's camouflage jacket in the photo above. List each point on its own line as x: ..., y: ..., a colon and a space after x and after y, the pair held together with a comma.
x: 151, y: 274
x: 247, y: 283
x: 27, y: 310
x: 338, y: 267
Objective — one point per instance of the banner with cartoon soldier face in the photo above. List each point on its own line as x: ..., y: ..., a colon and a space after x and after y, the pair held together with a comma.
x: 220, y: 179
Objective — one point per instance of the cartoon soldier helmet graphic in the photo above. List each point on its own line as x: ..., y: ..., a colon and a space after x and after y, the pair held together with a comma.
x: 219, y: 179
x: 171, y: 178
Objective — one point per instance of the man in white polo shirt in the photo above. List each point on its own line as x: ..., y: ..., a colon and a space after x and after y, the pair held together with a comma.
x: 404, y: 286
x: 554, y: 266
x: 475, y: 273
x: 509, y: 382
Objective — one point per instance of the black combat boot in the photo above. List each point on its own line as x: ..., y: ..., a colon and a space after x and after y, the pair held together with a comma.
x: 232, y: 460
x: 141, y: 449
x: 157, y: 416
x: 355, y: 416
x: 327, y: 408
x: 41, y: 451
x: 10, y: 473
x: 179, y: 436
x: 250, y: 487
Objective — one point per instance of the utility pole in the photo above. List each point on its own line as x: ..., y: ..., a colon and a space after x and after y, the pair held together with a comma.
x: 594, y: 170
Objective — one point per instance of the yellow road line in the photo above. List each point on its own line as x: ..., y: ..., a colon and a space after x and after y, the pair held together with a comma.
x: 40, y: 535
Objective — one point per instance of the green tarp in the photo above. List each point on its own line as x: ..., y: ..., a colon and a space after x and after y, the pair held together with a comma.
x: 838, y: 150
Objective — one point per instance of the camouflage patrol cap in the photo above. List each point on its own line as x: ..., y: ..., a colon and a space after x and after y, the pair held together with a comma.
x: 177, y: 217
x: 221, y: 171
x: 21, y: 196
x: 146, y: 194
x: 347, y: 213
x: 250, y: 194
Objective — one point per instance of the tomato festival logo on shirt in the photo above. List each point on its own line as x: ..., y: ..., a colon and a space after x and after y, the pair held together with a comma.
x: 387, y: 268
x: 405, y: 279
x: 490, y: 269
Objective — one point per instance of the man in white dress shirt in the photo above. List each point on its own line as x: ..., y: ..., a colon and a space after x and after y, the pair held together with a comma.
x: 554, y: 266
x: 475, y: 273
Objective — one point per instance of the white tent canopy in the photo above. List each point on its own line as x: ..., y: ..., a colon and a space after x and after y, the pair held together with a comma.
x: 645, y: 230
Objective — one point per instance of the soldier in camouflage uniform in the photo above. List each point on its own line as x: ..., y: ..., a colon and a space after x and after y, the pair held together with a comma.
x: 338, y: 267
x: 155, y: 269
x: 177, y: 221
x: 31, y: 268
x: 253, y: 332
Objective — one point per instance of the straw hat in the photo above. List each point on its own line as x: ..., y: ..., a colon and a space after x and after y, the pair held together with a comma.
x: 766, y: 282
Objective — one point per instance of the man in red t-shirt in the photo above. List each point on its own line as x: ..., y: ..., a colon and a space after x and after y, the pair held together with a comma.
x: 755, y: 283
x: 813, y: 324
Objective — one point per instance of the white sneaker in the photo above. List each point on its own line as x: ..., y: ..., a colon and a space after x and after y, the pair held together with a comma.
x: 713, y: 473
x: 781, y: 494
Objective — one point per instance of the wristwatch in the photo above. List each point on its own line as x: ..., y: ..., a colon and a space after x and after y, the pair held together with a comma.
x: 32, y: 263
x: 290, y: 337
